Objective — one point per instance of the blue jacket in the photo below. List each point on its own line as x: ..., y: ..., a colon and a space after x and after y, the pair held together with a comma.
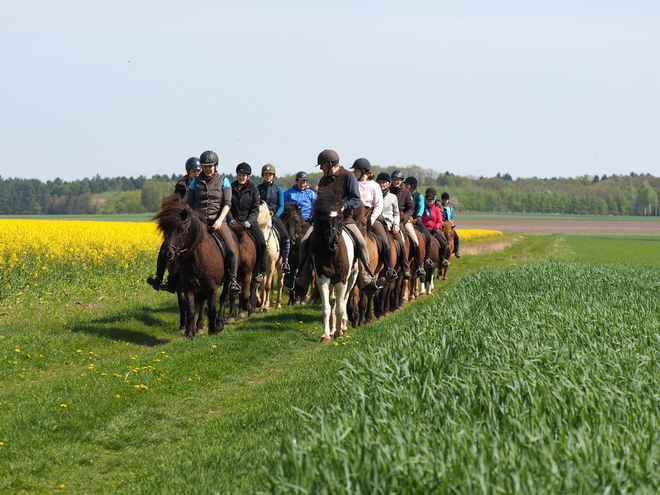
x: 273, y: 196
x: 304, y: 199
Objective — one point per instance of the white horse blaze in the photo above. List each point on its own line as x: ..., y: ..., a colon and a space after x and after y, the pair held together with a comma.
x: 333, y: 214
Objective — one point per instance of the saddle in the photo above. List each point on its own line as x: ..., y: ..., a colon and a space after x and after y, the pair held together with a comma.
x: 397, y: 243
x: 220, y: 242
x: 356, y: 244
x: 380, y: 242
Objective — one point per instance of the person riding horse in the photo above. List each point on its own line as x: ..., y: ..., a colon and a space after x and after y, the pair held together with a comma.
x: 193, y: 169
x: 418, y: 200
x: 245, y: 202
x: 211, y: 194
x: 432, y: 218
x: 406, y: 210
x: 344, y: 185
x: 372, y: 197
x: 448, y: 214
x: 273, y: 196
x: 299, y: 194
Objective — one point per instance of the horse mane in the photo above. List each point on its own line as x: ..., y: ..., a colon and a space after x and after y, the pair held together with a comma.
x: 363, y: 220
x: 264, y: 214
x: 174, y: 215
x: 292, y: 218
x: 326, y: 202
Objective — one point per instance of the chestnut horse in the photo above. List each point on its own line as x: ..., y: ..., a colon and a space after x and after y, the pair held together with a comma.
x: 411, y: 291
x: 194, y: 255
x: 247, y: 257
x: 448, y: 230
x: 334, y: 260
x: 273, y: 261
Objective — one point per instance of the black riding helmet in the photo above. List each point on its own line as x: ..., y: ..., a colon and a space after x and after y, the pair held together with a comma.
x: 362, y: 163
x: 243, y: 168
x: 383, y: 176
x: 411, y: 180
x: 208, y: 158
x: 193, y: 163
x: 302, y: 175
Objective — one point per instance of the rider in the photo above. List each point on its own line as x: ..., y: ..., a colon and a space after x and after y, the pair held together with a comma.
x: 193, y: 168
x: 210, y: 193
x: 345, y: 186
x: 390, y: 219
x: 273, y: 196
x: 372, y: 197
x: 432, y: 218
x: 245, y: 200
x: 406, y: 209
x: 448, y: 214
x: 418, y: 200
x: 299, y: 194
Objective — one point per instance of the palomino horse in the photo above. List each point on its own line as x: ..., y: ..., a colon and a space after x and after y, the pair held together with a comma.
x: 448, y: 230
x: 334, y: 260
x: 273, y: 260
x: 189, y: 249
x: 247, y: 257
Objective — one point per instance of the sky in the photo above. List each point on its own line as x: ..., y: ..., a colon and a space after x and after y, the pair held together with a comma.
x: 553, y: 88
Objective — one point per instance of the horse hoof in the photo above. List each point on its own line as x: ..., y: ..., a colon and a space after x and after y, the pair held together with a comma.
x: 326, y: 339
x: 381, y: 317
x: 231, y: 319
x: 264, y: 310
x: 241, y: 314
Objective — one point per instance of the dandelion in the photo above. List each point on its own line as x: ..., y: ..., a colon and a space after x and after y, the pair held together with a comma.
x: 2, y: 443
x: 79, y: 350
x: 117, y: 396
x: 17, y: 350
x: 214, y: 346
x: 63, y: 405
x: 140, y: 386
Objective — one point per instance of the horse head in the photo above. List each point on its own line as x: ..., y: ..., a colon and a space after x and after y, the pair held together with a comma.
x: 293, y: 221
x: 264, y: 217
x: 182, y: 229
x: 329, y: 217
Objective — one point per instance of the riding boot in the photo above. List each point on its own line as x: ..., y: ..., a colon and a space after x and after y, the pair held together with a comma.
x: 157, y: 280
x: 418, y: 258
x: 457, y: 252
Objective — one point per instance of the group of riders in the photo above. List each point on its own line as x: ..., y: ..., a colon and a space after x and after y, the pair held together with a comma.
x: 393, y: 202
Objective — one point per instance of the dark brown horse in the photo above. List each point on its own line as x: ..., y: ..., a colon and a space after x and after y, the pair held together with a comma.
x: 334, y: 260
x: 247, y: 257
x: 195, y: 257
x: 297, y: 227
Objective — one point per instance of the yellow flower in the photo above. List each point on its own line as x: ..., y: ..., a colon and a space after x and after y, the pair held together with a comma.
x: 117, y: 396
x: 17, y: 350
x: 63, y: 405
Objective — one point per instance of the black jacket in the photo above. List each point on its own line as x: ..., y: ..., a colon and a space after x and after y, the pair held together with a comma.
x: 244, y: 202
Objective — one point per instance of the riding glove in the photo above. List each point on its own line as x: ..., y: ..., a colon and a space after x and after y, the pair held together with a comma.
x: 247, y: 224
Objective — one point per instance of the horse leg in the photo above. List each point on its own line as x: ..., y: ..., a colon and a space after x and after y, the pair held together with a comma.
x: 212, y: 312
x: 267, y: 290
x: 251, y: 307
x: 324, y: 289
x: 280, y: 288
x: 200, y: 318
x: 190, y: 316
x: 182, y: 311
x: 341, y: 317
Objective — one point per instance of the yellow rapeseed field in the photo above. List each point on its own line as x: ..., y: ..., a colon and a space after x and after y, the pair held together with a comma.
x: 476, y: 235
x: 36, y: 251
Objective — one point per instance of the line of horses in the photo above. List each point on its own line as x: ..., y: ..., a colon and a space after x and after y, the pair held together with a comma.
x: 197, y: 257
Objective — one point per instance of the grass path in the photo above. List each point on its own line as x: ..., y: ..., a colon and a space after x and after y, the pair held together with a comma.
x: 104, y: 396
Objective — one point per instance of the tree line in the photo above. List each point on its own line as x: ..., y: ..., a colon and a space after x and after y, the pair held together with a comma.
x: 633, y: 194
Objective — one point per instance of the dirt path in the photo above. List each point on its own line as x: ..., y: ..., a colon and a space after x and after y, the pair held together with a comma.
x: 547, y: 226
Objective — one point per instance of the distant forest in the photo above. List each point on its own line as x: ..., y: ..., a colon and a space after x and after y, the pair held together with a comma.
x: 633, y: 194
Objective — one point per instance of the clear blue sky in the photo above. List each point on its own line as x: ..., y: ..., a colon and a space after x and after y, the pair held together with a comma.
x: 135, y: 87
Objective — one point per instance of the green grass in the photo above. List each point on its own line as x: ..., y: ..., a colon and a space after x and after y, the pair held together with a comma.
x: 552, y: 216
x: 628, y: 250
x: 214, y: 419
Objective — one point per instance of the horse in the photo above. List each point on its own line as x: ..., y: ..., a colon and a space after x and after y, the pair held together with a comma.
x: 433, y: 253
x: 334, y: 259
x: 297, y: 227
x: 448, y: 230
x: 410, y: 291
x: 273, y: 260
x: 247, y: 257
x: 198, y: 262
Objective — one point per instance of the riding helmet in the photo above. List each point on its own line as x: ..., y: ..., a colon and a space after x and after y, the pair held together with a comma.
x: 383, y: 176
x: 362, y: 163
x: 411, y: 180
x: 431, y: 190
x: 268, y: 169
x: 444, y: 196
x: 208, y: 158
x: 327, y: 156
x: 192, y: 163
x: 397, y: 174
x: 243, y: 168
x: 302, y: 175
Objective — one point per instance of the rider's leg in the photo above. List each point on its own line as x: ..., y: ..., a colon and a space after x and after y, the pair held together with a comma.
x: 406, y: 259
x: 443, y: 247
x: 161, y: 264
x: 418, y: 252
x: 427, y: 240
x: 232, y: 259
x: 457, y: 252
x: 303, y: 277
x: 363, y: 251
x: 286, y: 243
x: 260, y: 244
x: 379, y: 229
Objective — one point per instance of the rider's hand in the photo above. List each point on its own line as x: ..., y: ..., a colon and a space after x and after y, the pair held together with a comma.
x: 232, y: 222
x: 247, y: 224
x: 395, y: 229
x: 216, y: 225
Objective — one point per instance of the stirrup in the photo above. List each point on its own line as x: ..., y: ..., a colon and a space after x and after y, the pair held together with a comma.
x: 391, y: 274
x: 445, y: 263
x: 152, y: 280
x: 285, y: 267
x: 258, y: 278
x: 421, y: 272
x: 429, y: 263
x: 234, y: 288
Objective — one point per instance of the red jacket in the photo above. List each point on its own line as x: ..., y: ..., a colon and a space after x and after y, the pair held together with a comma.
x: 434, y: 220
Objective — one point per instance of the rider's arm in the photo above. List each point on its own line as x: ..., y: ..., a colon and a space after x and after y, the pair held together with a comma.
x: 377, y: 199
x: 253, y: 211
x: 190, y: 199
x: 280, y: 202
x: 353, y: 189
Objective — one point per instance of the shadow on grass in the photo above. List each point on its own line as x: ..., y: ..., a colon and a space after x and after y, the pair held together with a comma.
x: 120, y: 325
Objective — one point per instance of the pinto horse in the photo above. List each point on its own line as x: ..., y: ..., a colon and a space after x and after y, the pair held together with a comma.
x: 190, y: 251
x: 273, y: 260
x: 334, y: 260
